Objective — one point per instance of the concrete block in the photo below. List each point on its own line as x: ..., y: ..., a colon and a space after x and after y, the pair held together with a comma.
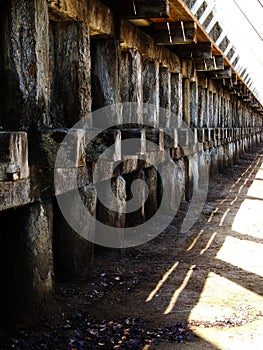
x: 129, y: 165
x: 155, y: 138
x: 194, y: 136
x: 218, y: 133
x: 137, y: 143
x: 214, y: 160
x: 151, y: 204
x: 207, y: 135
x: 135, y: 217
x: 71, y: 143
x: 74, y: 251
x: 183, y: 137
x: 13, y: 156
x: 221, y: 165
x: 155, y: 158
x: 106, y: 145
x: 201, y: 135
x: 109, y: 215
x: 212, y: 135
x: 172, y: 176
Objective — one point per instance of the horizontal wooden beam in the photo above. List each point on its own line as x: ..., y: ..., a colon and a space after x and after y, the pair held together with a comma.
x: 96, y: 14
x: 174, y: 33
x: 140, y: 8
x: 221, y: 74
x: 210, y: 64
x: 193, y: 51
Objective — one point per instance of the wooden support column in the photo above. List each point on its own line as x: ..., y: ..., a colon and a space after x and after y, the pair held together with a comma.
x: 219, y: 110
x: 216, y: 109
x: 186, y: 101
x: 150, y: 74
x: 239, y: 114
x: 104, y: 75
x: 226, y: 112
x: 130, y: 83
x: 70, y: 72
x: 165, y: 96
x: 24, y: 88
x: 222, y: 114
x: 176, y: 100
x: 202, y: 106
x: 193, y: 104
x: 210, y: 109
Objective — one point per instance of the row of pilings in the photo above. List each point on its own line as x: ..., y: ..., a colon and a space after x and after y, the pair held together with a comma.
x: 59, y: 64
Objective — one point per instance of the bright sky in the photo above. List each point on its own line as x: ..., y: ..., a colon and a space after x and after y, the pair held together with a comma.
x: 243, y: 20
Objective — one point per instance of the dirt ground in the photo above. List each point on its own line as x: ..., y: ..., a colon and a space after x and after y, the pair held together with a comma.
x: 208, y: 282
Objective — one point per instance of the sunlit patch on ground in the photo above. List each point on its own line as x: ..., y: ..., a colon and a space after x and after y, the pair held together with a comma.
x: 249, y: 219
x: 228, y: 315
x: 243, y: 254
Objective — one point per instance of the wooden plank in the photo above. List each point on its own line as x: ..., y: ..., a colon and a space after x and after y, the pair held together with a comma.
x: 140, y: 8
x: 173, y: 33
x: 193, y: 51
x: 221, y: 74
x: 211, y: 64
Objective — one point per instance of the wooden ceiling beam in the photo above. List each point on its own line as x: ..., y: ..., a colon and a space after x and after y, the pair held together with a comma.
x: 139, y: 9
x: 193, y: 51
x: 210, y: 64
x: 221, y: 74
x: 175, y: 33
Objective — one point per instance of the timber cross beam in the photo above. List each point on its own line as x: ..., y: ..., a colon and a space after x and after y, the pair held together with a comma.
x: 211, y: 64
x: 140, y: 9
x: 202, y: 50
x: 174, y: 33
